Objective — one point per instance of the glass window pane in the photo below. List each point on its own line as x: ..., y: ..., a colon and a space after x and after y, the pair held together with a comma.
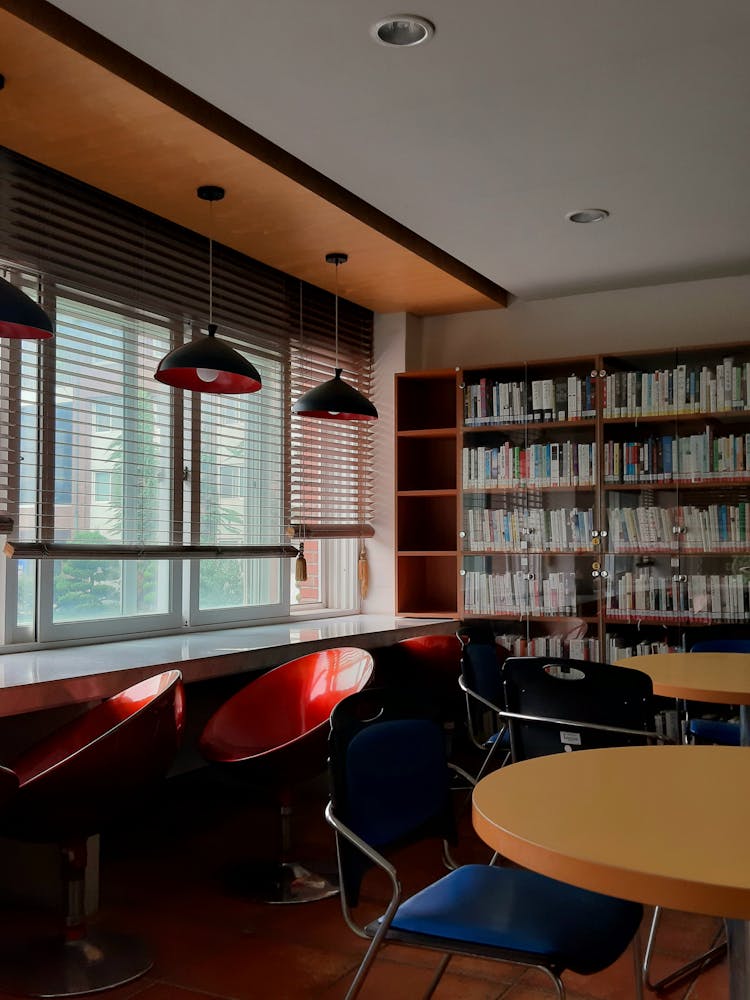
x: 26, y: 603
x: 235, y: 583
x: 93, y: 589
x: 309, y: 591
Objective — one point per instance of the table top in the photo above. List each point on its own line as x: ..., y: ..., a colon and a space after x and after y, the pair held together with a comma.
x: 714, y: 677
x: 656, y: 824
x: 48, y: 678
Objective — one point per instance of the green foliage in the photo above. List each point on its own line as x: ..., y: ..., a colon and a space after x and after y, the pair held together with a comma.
x: 84, y: 587
x: 222, y: 583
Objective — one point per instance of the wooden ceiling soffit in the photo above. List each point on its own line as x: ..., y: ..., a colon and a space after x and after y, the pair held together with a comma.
x: 81, y: 104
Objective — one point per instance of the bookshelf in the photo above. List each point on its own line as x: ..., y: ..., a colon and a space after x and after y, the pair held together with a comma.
x: 595, y: 507
x: 426, y: 494
x: 676, y: 494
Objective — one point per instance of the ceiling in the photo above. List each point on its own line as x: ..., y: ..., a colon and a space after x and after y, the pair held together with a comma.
x: 481, y: 141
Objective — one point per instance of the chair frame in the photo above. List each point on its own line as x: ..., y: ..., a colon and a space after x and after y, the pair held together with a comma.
x: 383, y: 934
x: 490, y: 746
x: 379, y: 931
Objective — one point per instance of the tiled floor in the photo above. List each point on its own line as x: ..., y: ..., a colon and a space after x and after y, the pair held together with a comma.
x: 169, y: 879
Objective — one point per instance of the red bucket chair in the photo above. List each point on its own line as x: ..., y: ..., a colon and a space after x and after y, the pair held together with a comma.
x: 433, y: 664
x: 274, y: 732
x: 71, y: 785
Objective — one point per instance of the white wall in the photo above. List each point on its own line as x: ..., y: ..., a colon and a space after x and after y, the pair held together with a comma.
x: 389, y: 341
x: 697, y: 312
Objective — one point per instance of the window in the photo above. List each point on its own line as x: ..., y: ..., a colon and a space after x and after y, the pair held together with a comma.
x: 102, y: 487
x: 106, y: 416
x: 230, y: 481
x: 120, y: 486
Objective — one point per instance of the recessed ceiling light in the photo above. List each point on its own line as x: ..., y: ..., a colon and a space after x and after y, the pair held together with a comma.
x: 402, y: 30
x: 588, y: 215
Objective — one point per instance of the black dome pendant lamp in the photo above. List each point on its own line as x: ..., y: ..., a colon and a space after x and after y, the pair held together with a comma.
x: 335, y: 399
x: 208, y: 364
x: 20, y: 317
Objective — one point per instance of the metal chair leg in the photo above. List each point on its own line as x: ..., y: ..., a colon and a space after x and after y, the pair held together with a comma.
x: 697, y: 965
x: 437, y: 976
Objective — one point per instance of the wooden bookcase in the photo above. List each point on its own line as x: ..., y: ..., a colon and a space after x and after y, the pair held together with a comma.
x: 598, y: 505
x: 426, y: 494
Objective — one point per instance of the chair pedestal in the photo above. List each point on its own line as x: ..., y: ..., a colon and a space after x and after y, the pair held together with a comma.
x: 293, y: 883
x: 284, y: 881
x: 78, y: 961
x: 60, y: 968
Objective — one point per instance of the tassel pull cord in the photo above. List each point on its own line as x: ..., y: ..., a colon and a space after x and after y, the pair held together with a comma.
x: 300, y: 565
x: 363, y: 571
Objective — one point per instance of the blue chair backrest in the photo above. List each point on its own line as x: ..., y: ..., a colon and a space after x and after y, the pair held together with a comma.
x: 721, y: 646
x: 389, y: 775
x: 480, y: 662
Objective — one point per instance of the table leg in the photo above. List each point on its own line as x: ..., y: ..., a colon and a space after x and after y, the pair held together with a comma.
x: 738, y: 937
x: 745, y: 725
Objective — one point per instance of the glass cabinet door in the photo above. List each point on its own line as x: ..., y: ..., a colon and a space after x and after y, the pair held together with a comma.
x: 713, y: 494
x: 529, y: 473
x: 643, y: 597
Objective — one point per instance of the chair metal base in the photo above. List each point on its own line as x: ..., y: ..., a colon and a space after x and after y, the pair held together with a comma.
x: 58, y: 968
x: 278, y: 882
x: 292, y: 883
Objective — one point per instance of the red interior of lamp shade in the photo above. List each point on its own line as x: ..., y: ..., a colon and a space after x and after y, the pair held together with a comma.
x: 18, y: 331
x: 327, y: 415
x: 225, y: 382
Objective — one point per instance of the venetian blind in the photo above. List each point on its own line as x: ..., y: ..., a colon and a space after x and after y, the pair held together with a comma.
x: 94, y: 450
x: 331, y: 461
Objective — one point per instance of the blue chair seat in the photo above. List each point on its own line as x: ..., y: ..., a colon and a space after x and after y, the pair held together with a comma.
x: 503, y: 737
x: 520, y: 911
x: 726, y: 734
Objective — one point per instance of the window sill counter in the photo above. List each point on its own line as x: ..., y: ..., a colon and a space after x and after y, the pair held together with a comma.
x: 49, y: 678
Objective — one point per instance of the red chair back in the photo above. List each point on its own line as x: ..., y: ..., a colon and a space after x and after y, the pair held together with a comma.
x: 284, y: 706
x: 77, y: 778
x: 434, y: 652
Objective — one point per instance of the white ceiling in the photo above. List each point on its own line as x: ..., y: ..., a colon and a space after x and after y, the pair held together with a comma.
x: 517, y: 112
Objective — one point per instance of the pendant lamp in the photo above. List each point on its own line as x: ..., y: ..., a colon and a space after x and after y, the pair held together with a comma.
x: 335, y: 399
x: 208, y: 364
x: 20, y: 317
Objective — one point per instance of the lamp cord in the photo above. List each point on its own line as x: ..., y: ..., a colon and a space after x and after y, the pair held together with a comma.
x: 336, y: 314
x: 210, y: 263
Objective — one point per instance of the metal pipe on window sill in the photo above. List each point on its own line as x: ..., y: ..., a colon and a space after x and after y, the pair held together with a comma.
x: 60, y: 550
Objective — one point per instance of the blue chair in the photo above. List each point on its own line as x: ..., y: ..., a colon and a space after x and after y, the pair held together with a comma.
x: 390, y: 787
x: 482, y: 683
x: 726, y: 734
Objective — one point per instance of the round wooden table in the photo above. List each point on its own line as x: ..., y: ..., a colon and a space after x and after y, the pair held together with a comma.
x: 659, y: 825
x: 723, y: 678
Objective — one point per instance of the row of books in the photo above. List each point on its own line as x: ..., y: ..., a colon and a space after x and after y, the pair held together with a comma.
x: 549, y: 645
x: 618, y: 647
x: 710, y: 528
x: 667, y: 458
x: 512, y: 529
x: 697, y: 596
x: 683, y: 389
x: 565, y: 463
x: 490, y: 401
x: 515, y: 594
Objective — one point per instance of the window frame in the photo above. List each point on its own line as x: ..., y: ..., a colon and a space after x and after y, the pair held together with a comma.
x: 102, y: 251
